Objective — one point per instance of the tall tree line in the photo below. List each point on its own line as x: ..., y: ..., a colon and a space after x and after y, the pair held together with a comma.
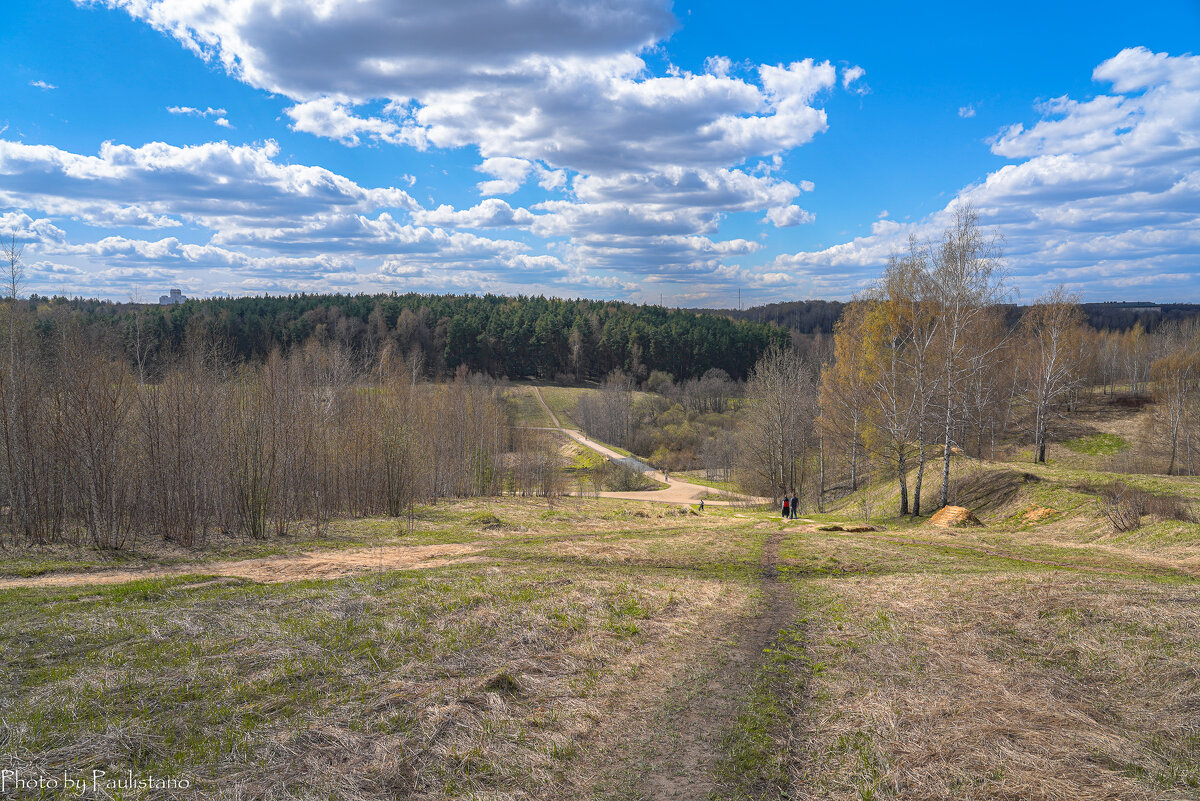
x: 513, y: 337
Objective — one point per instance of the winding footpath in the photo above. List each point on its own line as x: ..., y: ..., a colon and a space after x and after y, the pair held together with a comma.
x: 677, y: 491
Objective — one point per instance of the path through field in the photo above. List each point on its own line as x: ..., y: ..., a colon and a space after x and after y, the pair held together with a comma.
x: 688, y: 771
x: 677, y: 491
x: 602, y: 651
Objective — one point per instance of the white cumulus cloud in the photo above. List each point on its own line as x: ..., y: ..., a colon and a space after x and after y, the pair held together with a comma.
x: 1104, y: 192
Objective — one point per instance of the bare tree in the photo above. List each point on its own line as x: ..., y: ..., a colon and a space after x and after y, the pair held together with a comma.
x: 1175, y: 375
x: 777, y: 430
x: 14, y: 277
x: 1052, y: 339
x: 969, y: 281
x: 908, y: 295
x: 607, y: 413
x: 138, y: 334
x: 1135, y: 355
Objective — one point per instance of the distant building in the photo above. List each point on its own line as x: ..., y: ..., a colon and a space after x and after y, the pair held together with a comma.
x: 176, y: 296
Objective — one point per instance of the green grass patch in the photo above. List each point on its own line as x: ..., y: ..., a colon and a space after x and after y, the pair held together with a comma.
x: 1098, y: 444
x: 561, y: 401
x: 524, y: 409
x: 754, y: 764
x: 696, y: 477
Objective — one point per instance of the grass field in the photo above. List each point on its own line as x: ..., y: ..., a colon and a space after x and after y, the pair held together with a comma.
x: 609, y: 650
x: 561, y: 401
x: 525, y: 409
x: 697, y: 477
x: 1098, y: 444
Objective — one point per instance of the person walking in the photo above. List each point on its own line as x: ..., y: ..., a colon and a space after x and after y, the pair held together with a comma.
x: 786, y: 505
x: 795, y: 504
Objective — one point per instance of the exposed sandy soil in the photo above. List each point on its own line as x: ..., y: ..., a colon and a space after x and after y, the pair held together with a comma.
x: 949, y: 516
x: 292, y: 567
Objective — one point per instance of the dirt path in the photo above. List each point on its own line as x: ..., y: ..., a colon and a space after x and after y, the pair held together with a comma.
x: 672, y: 743
x: 677, y: 492
x: 688, y: 774
x: 272, y: 569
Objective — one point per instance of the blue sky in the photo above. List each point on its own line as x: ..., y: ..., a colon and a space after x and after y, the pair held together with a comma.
x: 631, y: 149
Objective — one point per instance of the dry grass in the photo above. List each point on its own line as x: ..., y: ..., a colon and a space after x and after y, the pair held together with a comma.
x: 578, y: 652
x: 448, y: 684
x: 272, y: 569
x: 995, y: 687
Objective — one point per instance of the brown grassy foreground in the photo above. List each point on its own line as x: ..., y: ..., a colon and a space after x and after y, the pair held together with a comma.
x: 626, y: 651
x: 1032, y: 687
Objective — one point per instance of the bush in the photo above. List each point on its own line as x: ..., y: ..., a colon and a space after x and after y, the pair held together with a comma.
x: 1170, y: 507
x: 1124, y: 505
x: 619, y: 478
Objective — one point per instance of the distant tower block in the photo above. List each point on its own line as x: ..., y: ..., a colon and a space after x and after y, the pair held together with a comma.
x: 176, y: 296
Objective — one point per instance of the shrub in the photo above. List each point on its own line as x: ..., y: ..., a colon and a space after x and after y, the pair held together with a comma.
x: 1124, y: 505
x: 619, y: 478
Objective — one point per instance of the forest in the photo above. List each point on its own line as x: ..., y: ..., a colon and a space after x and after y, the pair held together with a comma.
x: 503, y: 337
x: 254, y: 416
x: 808, y: 317
x: 931, y: 363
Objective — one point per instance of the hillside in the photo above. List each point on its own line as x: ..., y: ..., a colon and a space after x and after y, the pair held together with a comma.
x: 609, y: 649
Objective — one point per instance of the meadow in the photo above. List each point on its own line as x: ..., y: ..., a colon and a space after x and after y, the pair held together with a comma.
x: 598, y: 648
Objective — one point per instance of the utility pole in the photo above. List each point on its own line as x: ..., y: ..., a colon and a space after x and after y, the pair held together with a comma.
x: 739, y: 298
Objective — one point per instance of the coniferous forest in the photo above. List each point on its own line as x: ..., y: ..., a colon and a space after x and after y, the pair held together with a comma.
x: 504, y: 337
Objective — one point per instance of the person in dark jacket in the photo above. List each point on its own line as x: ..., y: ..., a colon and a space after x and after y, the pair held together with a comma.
x: 795, y: 504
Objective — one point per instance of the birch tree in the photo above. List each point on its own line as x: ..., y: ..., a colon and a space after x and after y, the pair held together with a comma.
x: 969, y: 281
x: 1175, y: 375
x: 1052, y: 340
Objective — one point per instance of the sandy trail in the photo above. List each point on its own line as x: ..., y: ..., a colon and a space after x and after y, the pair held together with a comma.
x: 677, y: 492
x: 271, y: 569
